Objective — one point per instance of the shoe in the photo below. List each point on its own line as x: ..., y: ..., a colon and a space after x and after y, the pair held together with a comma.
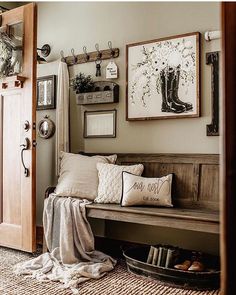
x: 196, y: 266
x: 183, y: 266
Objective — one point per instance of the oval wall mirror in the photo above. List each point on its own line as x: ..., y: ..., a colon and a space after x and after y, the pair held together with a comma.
x: 46, y: 128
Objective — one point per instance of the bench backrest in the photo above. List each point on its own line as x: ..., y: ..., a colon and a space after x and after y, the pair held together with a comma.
x: 196, y: 181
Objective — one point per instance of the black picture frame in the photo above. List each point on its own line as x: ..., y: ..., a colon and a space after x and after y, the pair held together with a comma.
x: 46, y: 99
x: 101, y: 130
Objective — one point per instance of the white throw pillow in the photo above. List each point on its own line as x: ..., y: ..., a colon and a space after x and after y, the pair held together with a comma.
x: 146, y: 191
x: 110, y: 181
x: 79, y: 175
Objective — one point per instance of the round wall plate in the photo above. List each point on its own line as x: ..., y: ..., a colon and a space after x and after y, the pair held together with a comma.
x: 46, y: 128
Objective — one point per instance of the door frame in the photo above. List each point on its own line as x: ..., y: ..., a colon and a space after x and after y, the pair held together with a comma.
x: 228, y: 151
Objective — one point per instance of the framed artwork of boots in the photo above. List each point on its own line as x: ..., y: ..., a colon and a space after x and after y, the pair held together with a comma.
x: 162, y: 78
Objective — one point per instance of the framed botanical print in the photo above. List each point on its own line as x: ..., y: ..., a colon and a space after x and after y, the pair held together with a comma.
x: 46, y: 92
x: 162, y: 78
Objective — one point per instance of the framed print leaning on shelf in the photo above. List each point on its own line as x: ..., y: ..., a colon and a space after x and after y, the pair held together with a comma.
x: 162, y: 78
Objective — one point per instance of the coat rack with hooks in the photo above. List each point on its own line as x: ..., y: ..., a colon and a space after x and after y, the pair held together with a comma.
x: 90, y: 56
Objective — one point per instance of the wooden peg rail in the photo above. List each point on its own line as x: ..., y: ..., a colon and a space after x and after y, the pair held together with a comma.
x: 12, y: 82
x: 93, y: 56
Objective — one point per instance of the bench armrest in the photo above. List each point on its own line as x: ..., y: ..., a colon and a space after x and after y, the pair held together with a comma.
x: 49, y: 191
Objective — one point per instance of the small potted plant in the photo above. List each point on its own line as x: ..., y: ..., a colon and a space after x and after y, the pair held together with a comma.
x: 82, y: 83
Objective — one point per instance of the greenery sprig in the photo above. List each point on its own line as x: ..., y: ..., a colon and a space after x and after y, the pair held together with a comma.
x: 82, y: 83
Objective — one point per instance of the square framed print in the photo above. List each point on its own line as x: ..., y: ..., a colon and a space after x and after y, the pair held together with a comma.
x: 162, y: 79
x: 46, y: 92
x: 99, y: 124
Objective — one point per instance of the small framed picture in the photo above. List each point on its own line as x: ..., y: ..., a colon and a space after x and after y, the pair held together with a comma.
x: 46, y: 92
x: 163, y: 78
x: 99, y: 124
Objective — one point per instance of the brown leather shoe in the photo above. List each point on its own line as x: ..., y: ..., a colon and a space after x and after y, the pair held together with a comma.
x: 183, y: 266
x: 196, y: 266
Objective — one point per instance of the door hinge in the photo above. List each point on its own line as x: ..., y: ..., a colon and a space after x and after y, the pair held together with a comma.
x: 34, y: 143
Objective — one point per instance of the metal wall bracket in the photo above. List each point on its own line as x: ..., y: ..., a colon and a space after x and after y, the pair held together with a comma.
x: 212, y: 59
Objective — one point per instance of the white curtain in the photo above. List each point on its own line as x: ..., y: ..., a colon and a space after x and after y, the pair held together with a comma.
x: 62, y: 113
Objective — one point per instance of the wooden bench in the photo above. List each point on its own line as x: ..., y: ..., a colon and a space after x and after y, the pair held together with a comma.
x: 195, y: 193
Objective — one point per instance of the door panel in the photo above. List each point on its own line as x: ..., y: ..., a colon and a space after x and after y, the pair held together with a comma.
x: 17, y: 104
x: 11, y: 155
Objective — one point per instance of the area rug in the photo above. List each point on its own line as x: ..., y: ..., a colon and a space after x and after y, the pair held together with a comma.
x: 117, y: 282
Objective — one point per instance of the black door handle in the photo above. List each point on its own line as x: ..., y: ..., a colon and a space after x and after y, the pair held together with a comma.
x: 25, y: 146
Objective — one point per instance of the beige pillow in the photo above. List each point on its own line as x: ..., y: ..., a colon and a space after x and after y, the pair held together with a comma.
x: 138, y: 190
x: 110, y: 181
x: 79, y: 176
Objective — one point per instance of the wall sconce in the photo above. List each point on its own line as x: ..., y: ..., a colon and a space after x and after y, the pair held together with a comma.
x: 45, y: 51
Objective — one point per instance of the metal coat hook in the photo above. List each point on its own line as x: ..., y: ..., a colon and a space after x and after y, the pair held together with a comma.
x: 62, y: 56
x: 86, y: 54
x: 74, y: 56
x: 111, y: 49
x: 98, y: 51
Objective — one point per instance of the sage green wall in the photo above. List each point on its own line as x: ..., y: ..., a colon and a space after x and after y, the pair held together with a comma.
x: 73, y: 25
x: 45, y: 156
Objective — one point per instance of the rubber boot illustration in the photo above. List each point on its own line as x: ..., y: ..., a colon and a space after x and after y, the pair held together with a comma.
x: 176, y: 99
x: 167, y: 90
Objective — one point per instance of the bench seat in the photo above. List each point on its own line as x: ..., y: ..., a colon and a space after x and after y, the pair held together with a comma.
x: 189, y: 219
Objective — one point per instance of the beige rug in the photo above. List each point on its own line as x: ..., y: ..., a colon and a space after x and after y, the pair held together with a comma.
x: 117, y: 282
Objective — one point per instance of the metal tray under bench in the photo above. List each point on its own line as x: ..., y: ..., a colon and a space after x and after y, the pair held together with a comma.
x: 136, y: 263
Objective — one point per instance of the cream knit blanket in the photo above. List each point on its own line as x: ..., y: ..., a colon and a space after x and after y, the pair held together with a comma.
x: 72, y: 258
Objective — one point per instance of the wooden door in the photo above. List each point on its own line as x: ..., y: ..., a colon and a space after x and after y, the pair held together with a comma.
x: 17, y: 129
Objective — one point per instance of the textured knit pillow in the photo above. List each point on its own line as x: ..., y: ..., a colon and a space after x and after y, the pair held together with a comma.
x: 110, y: 181
x: 79, y: 175
x: 139, y: 190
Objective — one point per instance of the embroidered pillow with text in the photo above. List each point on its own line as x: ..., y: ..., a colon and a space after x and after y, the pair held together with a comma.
x: 137, y: 190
